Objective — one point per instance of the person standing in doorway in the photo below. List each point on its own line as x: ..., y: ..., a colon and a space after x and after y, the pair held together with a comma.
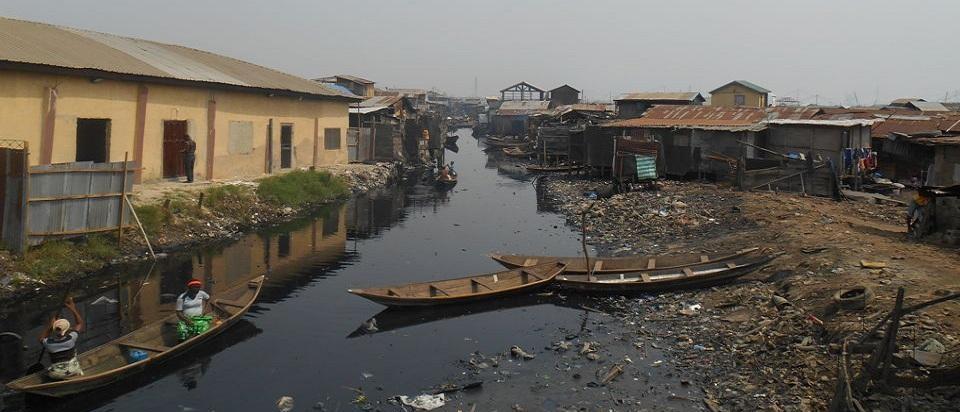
x: 189, y: 156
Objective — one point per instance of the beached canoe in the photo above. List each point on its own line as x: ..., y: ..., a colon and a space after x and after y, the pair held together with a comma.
x: 618, y: 264
x: 467, y: 289
x: 659, y: 280
x: 112, y: 362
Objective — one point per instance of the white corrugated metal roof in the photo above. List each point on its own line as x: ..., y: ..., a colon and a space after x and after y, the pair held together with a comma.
x: 48, y: 45
x: 814, y: 122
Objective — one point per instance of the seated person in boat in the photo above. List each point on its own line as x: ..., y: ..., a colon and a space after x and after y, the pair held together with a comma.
x: 62, y: 345
x: 445, y: 173
x: 190, y: 309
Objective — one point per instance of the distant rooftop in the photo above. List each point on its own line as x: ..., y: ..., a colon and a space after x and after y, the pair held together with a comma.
x: 744, y: 83
x: 660, y: 96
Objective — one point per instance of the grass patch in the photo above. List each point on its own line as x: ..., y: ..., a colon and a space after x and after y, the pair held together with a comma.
x: 152, y: 217
x: 301, y: 187
x: 58, y: 257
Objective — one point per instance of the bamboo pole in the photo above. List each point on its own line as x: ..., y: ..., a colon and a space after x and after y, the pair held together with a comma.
x: 142, y: 232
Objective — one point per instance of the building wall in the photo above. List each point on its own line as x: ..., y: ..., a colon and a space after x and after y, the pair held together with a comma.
x: 564, y: 95
x: 826, y: 141
x: 725, y: 97
x: 631, y: 109
x: 24, y: 101
x: 945, y: 170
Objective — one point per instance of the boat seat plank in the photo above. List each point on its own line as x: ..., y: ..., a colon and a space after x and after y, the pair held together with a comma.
x: 144, y: 346
x: 524, y: 272
x: 645, y: 277
x: 530, y: 262
x: 434, y: 288
x: 704, y: 258
x: 688, y: 271
x: 652, y: 263
x: 597, y: 266
x: 392, y: 292
x: 731, y: 265
x: 477, y: 282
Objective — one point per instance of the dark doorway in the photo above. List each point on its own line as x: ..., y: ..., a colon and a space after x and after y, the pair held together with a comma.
x: 174, y: 134
x: 93, y: 140
x: 286, y: 146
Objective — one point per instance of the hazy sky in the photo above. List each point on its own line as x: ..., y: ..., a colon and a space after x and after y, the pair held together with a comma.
x: 834, y: 51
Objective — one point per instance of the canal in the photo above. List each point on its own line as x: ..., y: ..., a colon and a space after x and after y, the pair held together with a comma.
x: 301, y: 338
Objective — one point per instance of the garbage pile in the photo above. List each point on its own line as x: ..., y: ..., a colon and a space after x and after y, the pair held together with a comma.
x: 628, y: 222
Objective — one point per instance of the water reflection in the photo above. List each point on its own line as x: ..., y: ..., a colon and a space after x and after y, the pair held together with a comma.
x: 404, y: 233
x: 144, y: 293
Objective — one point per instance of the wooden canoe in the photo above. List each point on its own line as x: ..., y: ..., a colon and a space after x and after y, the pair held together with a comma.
x: 499, y: 143
x: 617, y: 264
x: 445, y: 184
x: 516, y: 152
x: 560, y: 168
x: 466, y: 289
x: 659, y: 280
x: 110, y: 362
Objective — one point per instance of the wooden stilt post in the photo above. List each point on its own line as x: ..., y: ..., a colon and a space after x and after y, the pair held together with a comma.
x: 123, y: 195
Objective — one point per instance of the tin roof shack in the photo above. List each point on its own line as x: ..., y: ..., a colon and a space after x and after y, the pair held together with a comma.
x: 357, y: 85
x: 633, y: 105
x: 78, y: 95
x: 522, y: 91
x: 513, y: 117
x: 377, y: 129
x: 557, y: 126
x: 943, y: 184
x: 695, y: 140
x: 607, y: 152
x: 740, y: 93
x: 564, y: 95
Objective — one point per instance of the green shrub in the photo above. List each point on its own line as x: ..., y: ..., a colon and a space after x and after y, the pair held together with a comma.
x: 301, y: 187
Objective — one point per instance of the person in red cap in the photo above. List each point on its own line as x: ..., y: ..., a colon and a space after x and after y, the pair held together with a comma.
x: 191, y: 306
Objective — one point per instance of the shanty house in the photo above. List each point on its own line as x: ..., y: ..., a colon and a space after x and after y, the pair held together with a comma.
x: 513, y: 116
x: 357, y: 85
x: 564, y: 95
x: 824, y: 139
x: 77, y: 95
x: 740, y: 93
x: 377, y: 129
x: 633, y: 105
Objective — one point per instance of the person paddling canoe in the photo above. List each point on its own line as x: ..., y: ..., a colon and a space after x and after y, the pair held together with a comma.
x: 60, y: 341
x: 191, y: 305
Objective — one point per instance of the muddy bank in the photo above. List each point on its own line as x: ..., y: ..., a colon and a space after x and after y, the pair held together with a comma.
x: 771, y: 340
x: 176, y: 216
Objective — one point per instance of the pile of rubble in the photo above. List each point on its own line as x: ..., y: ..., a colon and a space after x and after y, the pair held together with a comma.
x: 362, y: 177
x: 628, y: 223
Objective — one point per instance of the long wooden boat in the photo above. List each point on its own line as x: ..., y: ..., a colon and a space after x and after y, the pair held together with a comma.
x: 618, y: 264
x: 659, y: 280
x: 466, y: 289
x: 559, y: 168
x: 516, y: 152
x: 500, y: 143
x: 111, y: 362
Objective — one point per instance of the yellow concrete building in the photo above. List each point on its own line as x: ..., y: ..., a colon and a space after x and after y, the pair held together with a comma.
x: 740, y: 93
x: 77, y: 95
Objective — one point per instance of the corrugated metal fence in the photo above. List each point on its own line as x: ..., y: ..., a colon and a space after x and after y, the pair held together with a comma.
x: 77, y: 198
x: 59, y: 200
